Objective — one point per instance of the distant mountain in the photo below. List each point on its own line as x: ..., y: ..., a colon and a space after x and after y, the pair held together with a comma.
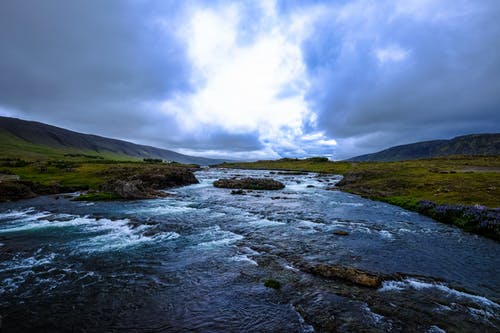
x: 473, y: 144
x: 20, y: 137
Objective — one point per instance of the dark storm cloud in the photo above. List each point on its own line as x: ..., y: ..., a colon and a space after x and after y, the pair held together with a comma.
x: 444, y: 81
x: 88, y: 64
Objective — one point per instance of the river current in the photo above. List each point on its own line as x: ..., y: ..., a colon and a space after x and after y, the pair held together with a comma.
x: 196, y: 261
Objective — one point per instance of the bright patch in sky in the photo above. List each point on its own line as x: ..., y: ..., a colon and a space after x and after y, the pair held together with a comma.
x: 391, y: 54
x: 255, y: 84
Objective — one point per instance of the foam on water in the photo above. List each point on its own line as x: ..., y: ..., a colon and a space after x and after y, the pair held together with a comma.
x: 105, y: 234
x: 435, y: 329
x: 218, y: 237
x: 386, y: 234
x: 310, y: 224
x: 415, y: 284
x: 16, y: 213
x: 290, y: 267
x: 351, y: 226
x: 244, y: 258
x: 376, y: 318
x: 116, y: 235
x: 305, y: 328
x: 17, y: 218
x: 37, y: 222
x: 165, y: 207
x: 248, y: 251
x: 19, y: 269
x: 351, y: 204
x: 266, y: 223
x: 24, y: 263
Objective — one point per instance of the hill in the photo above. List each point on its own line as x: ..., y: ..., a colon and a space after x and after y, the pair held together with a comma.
x: 35, y: 140
x: 473, y: 144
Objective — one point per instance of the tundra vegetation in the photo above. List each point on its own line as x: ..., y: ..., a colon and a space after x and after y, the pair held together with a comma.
x: 102, y: 179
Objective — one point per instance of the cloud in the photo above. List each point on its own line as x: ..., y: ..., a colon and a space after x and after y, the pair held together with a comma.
x: 255, y: 79
x: 395, y: 72
x: 87, y: 66
x: 246, y: 85
x: 390, y: 54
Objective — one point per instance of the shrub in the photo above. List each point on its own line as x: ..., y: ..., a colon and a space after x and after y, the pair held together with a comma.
x: 478, y: 219
x: 152, y: 160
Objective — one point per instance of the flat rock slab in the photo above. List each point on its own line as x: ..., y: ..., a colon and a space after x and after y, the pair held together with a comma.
x: 356, y: 276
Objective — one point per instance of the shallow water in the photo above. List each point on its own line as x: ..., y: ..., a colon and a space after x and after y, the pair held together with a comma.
x: 196, y: 261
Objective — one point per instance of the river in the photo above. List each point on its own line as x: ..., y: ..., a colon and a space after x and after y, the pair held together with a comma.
x: 197, y: 260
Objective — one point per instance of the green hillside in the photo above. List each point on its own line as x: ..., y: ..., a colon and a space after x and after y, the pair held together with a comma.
x: 34, y: 140
x: 474, y: 144
x: 12, y: 147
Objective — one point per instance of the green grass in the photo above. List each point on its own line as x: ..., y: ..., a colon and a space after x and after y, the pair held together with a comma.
x: 452, y: 180
x: 84, y: 174
x: 88, y: 174
x: 56, y: 169
x: 14, y: 147
x: 288, y: 164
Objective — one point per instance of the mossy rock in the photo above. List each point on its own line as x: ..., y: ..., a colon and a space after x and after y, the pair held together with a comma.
x: 250, y: 184
x: 271, y: 283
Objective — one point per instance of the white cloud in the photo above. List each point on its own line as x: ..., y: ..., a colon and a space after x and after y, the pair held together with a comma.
x: 266, y: 153
x: 7, y: 112
x: 256, y: 86
x: 391, y: 53
x: 330, y: 142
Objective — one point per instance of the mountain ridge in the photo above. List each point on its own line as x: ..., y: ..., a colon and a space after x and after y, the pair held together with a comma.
x: 45, y: 135
x: 471, y: 144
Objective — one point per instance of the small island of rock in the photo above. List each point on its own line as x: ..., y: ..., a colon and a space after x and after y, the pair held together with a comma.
x: 250, y: 184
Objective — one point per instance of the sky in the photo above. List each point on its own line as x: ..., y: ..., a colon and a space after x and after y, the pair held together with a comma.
x: 254, y: 79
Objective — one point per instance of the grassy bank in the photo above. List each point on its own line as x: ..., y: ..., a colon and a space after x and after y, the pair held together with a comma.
x: 442, y: 188
x: 104, y: 179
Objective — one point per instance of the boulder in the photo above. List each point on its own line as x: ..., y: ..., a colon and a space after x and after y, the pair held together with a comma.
x: 127, y: 189
x: 133, y: 184
x: 238, y: 192
x: 250, y: 184
x: 15, y: 190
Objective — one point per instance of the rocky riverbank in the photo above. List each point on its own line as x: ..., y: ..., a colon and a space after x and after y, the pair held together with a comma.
x: 472, y: 218
x: 102, y: 181
x: 13, y: 190
x: 131, y: 184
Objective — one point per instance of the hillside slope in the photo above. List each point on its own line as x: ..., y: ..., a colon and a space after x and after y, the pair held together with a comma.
x: 474, y: 144
x: 20, y: 138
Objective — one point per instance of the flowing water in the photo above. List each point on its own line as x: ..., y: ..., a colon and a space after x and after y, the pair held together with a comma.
x: 196, y: 261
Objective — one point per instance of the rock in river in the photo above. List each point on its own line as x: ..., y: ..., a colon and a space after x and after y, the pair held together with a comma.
x: 250, y: 184
x: 356, y: 276
x: 15, y: 190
